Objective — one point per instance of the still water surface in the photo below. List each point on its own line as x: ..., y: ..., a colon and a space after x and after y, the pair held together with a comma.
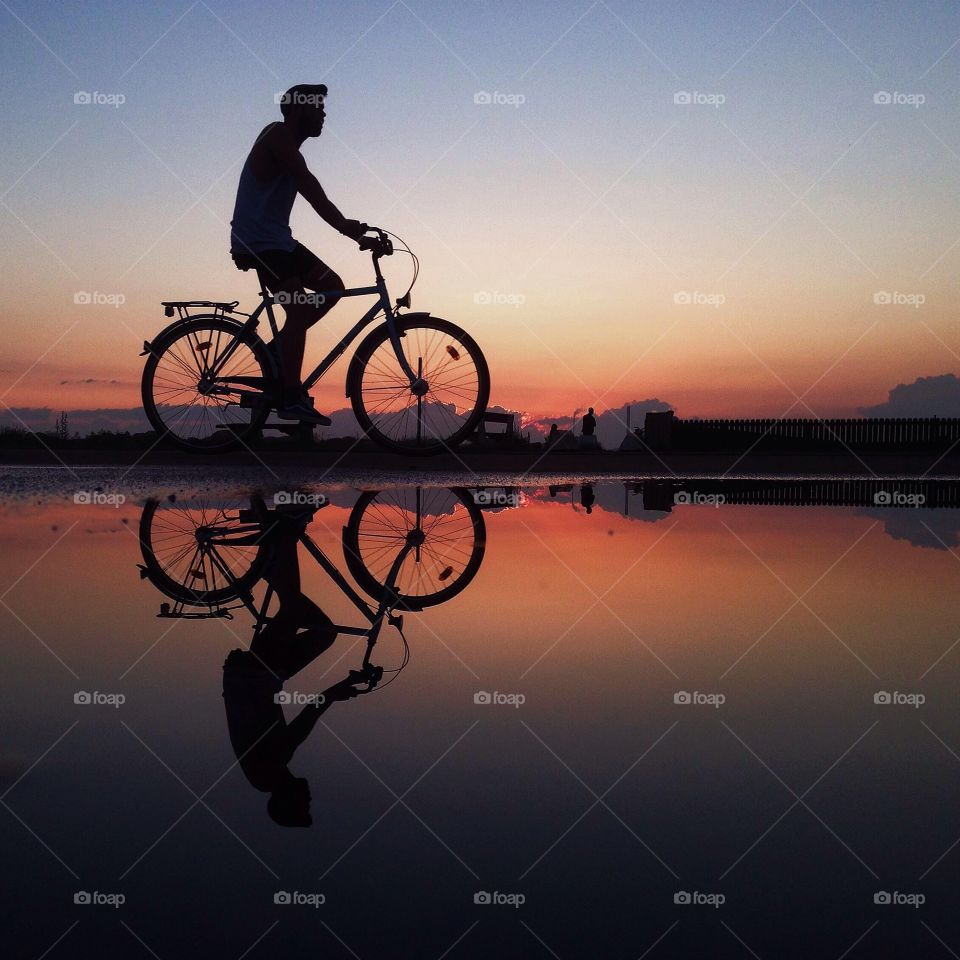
x: 708, y: 727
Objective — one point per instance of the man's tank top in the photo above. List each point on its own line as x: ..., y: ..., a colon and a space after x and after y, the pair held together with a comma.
x: 261, y: 216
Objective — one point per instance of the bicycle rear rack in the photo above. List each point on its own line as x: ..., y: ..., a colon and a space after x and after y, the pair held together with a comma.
x: 183, y: 306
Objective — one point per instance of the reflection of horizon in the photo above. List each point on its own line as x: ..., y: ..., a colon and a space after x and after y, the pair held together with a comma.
x: 923, y: 526
x: 934, y: 528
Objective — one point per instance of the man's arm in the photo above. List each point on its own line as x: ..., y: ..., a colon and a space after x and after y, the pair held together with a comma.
x: 290, y: 161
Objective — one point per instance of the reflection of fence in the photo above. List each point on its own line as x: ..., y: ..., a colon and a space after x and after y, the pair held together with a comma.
x: 834, y: 492
x: 663, y: 431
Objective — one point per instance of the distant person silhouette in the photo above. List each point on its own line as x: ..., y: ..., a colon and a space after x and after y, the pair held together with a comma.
x: 298, y: 633
x: 260, y: 237
x: 589, y: 423
x: 587, y: 498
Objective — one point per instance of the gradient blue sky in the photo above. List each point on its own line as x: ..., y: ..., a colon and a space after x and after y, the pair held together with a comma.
x: 596, y: 202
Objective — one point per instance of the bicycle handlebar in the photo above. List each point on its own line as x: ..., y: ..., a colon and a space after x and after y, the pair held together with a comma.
x: 380, y: 245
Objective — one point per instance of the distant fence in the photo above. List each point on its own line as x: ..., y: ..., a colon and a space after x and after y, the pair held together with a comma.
x: 664, y: 431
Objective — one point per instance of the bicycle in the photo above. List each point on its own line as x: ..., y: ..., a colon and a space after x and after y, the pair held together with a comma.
x: 408, y: 550
x: 417, y: 384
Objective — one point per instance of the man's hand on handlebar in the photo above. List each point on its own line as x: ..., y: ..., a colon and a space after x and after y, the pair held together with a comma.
x: 354, y: 229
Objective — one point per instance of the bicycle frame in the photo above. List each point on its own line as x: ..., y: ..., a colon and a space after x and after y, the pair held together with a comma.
x: 376, y: 616
x: 383, y: 303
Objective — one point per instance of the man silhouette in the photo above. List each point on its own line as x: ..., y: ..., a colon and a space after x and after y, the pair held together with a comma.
x: 589, y: 423
x: 262, y: 738
x: 260, y: 237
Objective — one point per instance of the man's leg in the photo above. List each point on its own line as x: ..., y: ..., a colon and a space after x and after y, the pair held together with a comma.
x: 302, y: 311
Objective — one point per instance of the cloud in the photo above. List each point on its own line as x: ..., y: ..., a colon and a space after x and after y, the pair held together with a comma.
x: 937, y: 396
x: 87, y: 380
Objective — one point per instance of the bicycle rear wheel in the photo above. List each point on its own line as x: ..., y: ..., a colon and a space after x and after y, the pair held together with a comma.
x: 195, y: 569
x: 198, y: 412
x: 456, y: 375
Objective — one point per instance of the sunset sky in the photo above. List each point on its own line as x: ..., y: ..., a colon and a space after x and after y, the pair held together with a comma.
x: 725, y: 255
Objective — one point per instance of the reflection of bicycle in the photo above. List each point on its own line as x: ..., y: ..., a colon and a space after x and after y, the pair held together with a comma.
x: 417, y: 384
x: 408, y: 550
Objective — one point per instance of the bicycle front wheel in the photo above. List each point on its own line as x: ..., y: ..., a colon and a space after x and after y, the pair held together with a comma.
x: 446, y: 527
x: 456, y: 378
x: 205, y: 387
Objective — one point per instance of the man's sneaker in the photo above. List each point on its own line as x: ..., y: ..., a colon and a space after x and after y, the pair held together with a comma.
x: 303, y: 412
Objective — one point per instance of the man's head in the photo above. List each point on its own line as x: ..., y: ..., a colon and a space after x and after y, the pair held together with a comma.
x: 302, y: 106
x: 590, y: 411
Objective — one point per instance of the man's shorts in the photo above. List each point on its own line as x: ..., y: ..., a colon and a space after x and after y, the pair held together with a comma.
x: 280, y: 267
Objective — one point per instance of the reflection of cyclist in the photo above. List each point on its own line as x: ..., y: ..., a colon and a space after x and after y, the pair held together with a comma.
x: 274, y: 173
x: 298, y: 633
